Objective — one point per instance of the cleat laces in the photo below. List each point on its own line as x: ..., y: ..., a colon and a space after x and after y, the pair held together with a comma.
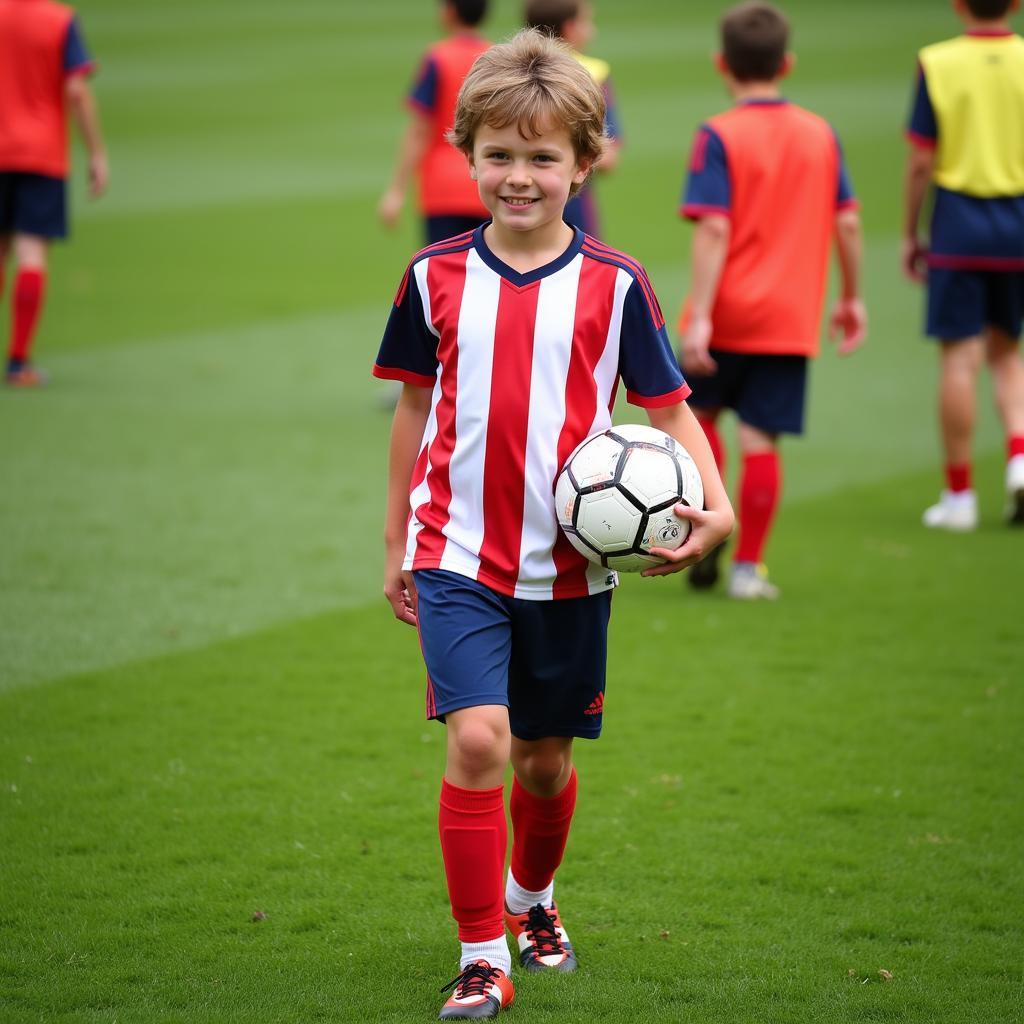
x: 542, y: 931
x: 473, y: 981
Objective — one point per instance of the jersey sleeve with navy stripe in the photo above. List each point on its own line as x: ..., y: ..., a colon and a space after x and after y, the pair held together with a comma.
x: 76, y: 55
x: 647, y: 364
x: 845, y: 197
x: 707, y: 189
x: 408, y: 350
x: 423, y: 94
x: 923, y: 127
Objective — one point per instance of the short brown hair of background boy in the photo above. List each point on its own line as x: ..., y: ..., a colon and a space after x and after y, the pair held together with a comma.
x: 532, y: 81
x: 988, y: 10
x: 755, y: 37
x: 550, y: 15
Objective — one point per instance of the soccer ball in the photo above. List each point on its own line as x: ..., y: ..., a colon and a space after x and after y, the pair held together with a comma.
x: 615, y: 494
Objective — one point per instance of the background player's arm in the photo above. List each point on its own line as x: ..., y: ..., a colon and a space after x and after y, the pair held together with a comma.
x: 83, y: 108
x: 407, y: 428
x: 849, y: 319
x: 710, y: 247
x: 710, y: 525
x: 411, y: 149
x: 920, y: 163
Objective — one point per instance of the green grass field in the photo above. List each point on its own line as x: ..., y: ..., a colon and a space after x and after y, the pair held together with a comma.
x: 217, y: 792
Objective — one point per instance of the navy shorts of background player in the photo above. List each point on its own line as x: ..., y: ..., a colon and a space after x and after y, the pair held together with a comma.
x: 767, y: 391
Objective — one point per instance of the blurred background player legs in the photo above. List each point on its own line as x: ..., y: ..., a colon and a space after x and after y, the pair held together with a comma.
x: 28, y: 287
x: 960, y: 364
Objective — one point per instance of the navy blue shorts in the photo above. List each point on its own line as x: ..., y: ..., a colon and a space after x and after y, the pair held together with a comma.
x: 440, y: 228
x: 962, y: 303
x: 543, y: 660
x: 766, y: 392
x: 33, y: 204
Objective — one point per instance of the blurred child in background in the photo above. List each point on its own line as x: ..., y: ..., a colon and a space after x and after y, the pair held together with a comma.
x: 573, y: 21
x: 448, y: 198
x: 967, y: 140
x: 768, y: 191
x: 44, y: 69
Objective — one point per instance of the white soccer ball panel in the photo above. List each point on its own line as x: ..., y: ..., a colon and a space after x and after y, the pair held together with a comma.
x: 665, y: 530
x: 607, y: 520
x: 588, y: 553
x: 632, y: 562
x: 650, y: 476
x: 594, y: 462
x: 565, y: 499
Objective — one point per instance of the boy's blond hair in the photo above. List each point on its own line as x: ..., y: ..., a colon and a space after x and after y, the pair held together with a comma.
x: 533, y: 82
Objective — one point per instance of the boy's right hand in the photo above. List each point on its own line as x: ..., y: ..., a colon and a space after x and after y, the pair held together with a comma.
x: 390, y: 207
x: 399, y: 587
x: 696, y: 342
x: 913, y: 260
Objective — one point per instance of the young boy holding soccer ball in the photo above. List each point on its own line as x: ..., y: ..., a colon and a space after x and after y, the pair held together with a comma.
x: 510, y: 341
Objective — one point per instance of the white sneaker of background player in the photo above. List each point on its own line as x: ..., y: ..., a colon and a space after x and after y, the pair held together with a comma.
x: 1015, y: 490
x: 748, y: 581
x: 954, y: 511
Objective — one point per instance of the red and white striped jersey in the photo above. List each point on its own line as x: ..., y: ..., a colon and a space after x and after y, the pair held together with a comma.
x: 523, y: 368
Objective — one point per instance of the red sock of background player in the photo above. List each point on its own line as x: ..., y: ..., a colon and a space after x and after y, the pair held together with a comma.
x: 540, y: 829
x: 760, y: 486
x: 474, y: 835
x: 26, y: 305
x: 958, y: 477
x: 1014, y: 446
x: 715, y: 441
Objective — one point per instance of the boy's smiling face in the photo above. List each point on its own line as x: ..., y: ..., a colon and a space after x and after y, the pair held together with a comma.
x: 525, y: 183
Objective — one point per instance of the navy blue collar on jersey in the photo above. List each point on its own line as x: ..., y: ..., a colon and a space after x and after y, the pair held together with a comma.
x: 764, y: 101
x: 513, y: 276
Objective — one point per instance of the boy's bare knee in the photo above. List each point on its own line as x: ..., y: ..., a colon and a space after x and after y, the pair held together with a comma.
x: 478, y: 744
x: 543, y: 767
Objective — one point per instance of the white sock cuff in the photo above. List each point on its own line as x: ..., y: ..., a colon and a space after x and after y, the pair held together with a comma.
x: 494, y: 951
x: 519, y: 900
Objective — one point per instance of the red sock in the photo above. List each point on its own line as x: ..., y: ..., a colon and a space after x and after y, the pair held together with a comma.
x: 958, y: 478
x: 715, y: 440
x: 1014, y: 446
x: 26, y: 303
x: 540, y: 829
x: 760, y: 486
x: 474, y: 835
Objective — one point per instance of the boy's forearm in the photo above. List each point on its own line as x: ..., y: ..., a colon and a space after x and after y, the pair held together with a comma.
x: 411, y: 150
x: 920, y: 163
x: 708, y: 253
x: 850, y: 252
x: 680, y: 422
x: 407, y: 428
x: 86, y: 114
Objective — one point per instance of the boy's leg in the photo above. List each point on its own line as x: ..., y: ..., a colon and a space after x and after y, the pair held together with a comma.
x: 541, y: 806
x: 556, y: 692
x: 960, y: 361
x: 465, y: 637
x: 760, y: 485
x: 27, y: 296
x: 1008, y: 384
x: 473, y: 830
